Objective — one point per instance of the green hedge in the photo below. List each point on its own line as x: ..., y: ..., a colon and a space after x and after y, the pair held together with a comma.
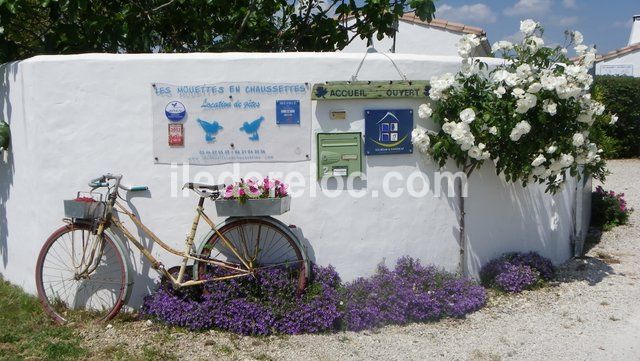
x: 621, y: 95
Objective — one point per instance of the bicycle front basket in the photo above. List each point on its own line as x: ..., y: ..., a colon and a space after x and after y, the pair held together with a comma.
x: 84, y: 208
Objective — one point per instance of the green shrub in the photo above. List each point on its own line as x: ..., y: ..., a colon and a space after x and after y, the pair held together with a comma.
x: 608, y: 209
x: 621, y: 96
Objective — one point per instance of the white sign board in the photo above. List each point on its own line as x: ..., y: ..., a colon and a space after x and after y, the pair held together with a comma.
x: 231, y: 122
x: 616, y: 69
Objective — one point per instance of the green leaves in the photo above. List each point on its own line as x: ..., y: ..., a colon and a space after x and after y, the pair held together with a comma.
x: 5, y: 135
x: 34, y: 27
x: 424, y: 9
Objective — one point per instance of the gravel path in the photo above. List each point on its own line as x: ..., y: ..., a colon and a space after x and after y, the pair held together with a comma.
x: 591, y: 313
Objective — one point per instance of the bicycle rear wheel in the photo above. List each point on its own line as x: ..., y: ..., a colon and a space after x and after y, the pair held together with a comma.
x: 254, y: 245
x: 67, y: 293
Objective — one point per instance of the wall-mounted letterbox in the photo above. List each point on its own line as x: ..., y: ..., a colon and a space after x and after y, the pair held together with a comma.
x: 339, y: 154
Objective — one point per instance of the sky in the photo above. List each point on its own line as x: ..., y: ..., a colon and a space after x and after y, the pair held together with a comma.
x: 605, y: 23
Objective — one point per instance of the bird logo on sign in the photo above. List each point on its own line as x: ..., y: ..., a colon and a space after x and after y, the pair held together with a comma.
x: 252, y: 128
x: 211, y: 129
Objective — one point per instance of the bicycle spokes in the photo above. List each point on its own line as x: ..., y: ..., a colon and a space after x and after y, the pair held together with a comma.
x: 79, y: 274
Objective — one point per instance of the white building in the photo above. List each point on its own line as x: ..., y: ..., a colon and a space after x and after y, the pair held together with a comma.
x: 414, y: 36
x: 76, y: 117
x: 623, y: 61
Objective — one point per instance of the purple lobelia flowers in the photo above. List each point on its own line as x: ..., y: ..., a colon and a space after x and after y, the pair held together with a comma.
x: 268, y: 304
x: 515, y: 272
x: 411, y: 292
x: 258, y: 305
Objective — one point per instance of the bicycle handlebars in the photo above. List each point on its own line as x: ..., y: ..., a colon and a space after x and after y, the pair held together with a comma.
x: 103, y: 181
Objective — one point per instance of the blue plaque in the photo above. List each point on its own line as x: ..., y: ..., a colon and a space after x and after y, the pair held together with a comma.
x: 287, y: 112
x: 388, y: 131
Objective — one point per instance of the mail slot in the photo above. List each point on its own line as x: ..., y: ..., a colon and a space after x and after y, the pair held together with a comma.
x: 339, y: 154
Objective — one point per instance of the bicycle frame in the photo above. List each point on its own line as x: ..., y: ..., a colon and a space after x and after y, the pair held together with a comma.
x: 109, y: 220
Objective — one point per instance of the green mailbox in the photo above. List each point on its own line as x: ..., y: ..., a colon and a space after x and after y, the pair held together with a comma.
x: 339, y: 154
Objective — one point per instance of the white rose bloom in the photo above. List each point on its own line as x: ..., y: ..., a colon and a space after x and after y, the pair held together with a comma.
x: 458, y: 133
x: 549, y: 106
x: 572, y: 70
x: 464, y: 49
x: 598, y: 108
x: 424, y: 111
x: 439, y: 84
x: 578, y: 140
x: 467, y: 44
x: 519, y: 130
x: 468, y: 115
x: 566, y: 160
x: 588, y: 59
x: 448, y: 127
x: 518, y: 92
x: 539, y: 160
x: 528, y: 27
x: 577, y: 37
x: 512, y: 79
x: 420, y: 139
x: 475, y: 153
x: 502, y: 45
x: 552, y: 149
x: 561, y: 81
x: 500, y: 76
x: 523, y: 71
x: 526, y: 103
x: 548, y: 82
x: 568, y: 91
x: 534, y: 43
x: 493, y: 130
x: 417, y: 135
x: 535, y: 88
x: 581, y: 49
x: 500, y: 91
x: 614, y: 119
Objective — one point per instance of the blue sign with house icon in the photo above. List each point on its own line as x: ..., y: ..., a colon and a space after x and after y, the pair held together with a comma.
x: 388, y: 131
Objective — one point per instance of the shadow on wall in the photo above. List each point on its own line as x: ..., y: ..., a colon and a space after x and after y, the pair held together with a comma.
x: 505, y: 217
x: 143, y: 279
x: 6, y: 158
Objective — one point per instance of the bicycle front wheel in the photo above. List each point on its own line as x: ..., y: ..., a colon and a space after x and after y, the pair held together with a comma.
x: 80, y: 275
x: 253, y: 245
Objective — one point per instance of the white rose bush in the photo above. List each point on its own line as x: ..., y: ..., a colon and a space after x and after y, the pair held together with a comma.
x: 530, y: 115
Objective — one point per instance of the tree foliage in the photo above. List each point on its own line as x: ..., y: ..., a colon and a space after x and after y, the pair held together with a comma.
x: 33, y: 27
x: 621, y: 95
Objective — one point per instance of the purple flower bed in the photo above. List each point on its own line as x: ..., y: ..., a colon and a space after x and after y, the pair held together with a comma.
x: 252, y: 306
x: 409, y: 293
x: 268, y: 304
x: 515, y: 272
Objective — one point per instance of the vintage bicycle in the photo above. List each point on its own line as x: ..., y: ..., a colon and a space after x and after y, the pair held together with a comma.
x: 84, y: 268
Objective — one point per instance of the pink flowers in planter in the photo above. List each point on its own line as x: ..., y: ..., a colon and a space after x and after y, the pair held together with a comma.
x: 252, y: 189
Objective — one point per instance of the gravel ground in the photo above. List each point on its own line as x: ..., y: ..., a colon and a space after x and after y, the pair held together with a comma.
x: 591, y: 313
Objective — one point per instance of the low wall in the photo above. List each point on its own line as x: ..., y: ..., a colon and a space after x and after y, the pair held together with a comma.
x: 75, y: 117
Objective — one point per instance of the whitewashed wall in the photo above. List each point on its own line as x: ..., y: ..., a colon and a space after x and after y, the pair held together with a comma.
x: 75, y: 117
x: 626, y: 60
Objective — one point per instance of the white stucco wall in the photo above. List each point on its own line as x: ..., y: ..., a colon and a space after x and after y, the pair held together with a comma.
x: 627, y: 59
x: 75, y: 117
x: 414, y: 39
